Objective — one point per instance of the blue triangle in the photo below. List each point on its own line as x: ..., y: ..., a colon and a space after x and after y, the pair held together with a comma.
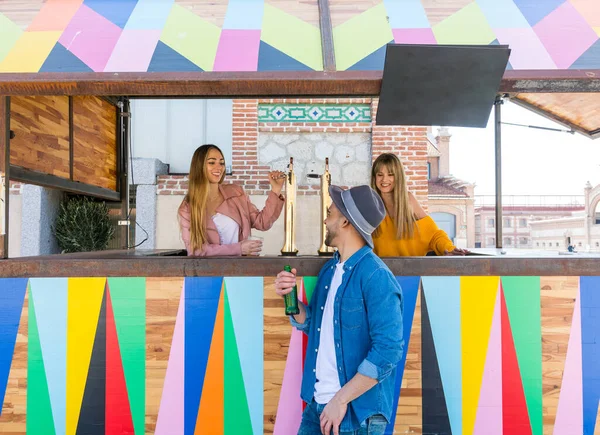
x: 535, y: 11
x: 590, y: 59
x: 508, y: 65
x: 62, y: 60
x: 165, y: 59
x: 271, y: 59
x: 117, y: 12
x: 373, y: 62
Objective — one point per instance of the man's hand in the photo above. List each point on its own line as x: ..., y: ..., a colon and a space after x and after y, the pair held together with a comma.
x: 332, y: 416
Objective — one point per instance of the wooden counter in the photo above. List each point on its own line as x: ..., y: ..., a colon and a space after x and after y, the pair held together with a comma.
x: 157, y: 343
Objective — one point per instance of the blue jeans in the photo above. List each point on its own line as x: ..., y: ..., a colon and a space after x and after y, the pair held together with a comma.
x: 310, y: 425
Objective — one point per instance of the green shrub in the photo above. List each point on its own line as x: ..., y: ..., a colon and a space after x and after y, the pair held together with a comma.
x: 82, y: 225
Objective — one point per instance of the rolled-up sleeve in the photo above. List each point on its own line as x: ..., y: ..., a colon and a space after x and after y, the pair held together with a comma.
x: 304, y: 327
x: 384, y: 304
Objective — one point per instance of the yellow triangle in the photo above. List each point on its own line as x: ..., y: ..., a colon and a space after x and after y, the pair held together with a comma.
x: 83, y: 309
x: 477, y: 300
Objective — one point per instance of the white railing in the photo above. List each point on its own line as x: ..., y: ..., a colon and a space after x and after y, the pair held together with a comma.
x: 532, y: 200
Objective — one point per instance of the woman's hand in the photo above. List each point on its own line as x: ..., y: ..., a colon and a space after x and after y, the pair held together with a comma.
x: 457, y: 251
x: 276, y: 179
x: 251, y: 247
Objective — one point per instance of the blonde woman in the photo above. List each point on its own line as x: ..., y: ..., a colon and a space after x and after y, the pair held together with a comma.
x: 406, y: 230
x: 216, y: 218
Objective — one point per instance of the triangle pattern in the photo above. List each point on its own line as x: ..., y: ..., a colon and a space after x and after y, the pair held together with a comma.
x: 62, y: 60
x: 116, y: 13
x: 534, y: 10
x: 489, y: 409
x: 211, y: 410
x: 165, y: 59
x: 522, y: 298
x: 435, y: 414
x: 515, y: 420
x: 289, y: 408
x: 410, y: 292
x: 38, y: 397
x: 590, y: 351
x: 93, y: 409
x: 477, y: 298
x: 271, y: 59
x: 236, y: 413
x: 437, y: 11
x: 129, y: 307
x: 170, y: 414
x: 244, y: 298
x: 13, y: 296
x: 508, y: 65
x: 373, y: 62
x: 50, y: 297
x: 590, y: 59
x: 443, y: 305
x: 569, y: 414
x: 118, y: 411
x: 84, y: 301
x: 203, y: 306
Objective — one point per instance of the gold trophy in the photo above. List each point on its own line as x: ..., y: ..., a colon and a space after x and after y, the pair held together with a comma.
x: 289, y: 245
x: 325, y: 203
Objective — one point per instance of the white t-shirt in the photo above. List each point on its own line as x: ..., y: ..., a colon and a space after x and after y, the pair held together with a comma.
x: 328, y: 380
x: 228, y: 229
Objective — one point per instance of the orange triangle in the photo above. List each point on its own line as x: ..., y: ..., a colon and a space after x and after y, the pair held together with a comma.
x: 211, y: 413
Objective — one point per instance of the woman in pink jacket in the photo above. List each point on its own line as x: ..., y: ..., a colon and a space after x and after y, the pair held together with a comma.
x: 216, y: 218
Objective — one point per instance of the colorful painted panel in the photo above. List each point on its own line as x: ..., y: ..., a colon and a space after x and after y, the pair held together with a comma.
x: 484, y: 355
x: 283, y: 35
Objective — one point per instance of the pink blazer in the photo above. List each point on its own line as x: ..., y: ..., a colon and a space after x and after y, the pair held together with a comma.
x: 238, y: 207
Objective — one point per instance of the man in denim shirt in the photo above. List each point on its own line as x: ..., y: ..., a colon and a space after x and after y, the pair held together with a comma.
x: 353, y: 323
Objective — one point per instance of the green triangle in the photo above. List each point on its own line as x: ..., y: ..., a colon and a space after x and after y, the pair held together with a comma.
x: 128, y: 297
x: 522, y: 296
x: 39, y: 410
x: 309, y: 286
x: 236, y: 413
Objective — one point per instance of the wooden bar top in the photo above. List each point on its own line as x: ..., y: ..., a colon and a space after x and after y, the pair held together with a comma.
x: 173, y: 263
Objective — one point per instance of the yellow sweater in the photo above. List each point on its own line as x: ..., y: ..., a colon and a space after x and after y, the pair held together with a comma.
x: 427, y: 237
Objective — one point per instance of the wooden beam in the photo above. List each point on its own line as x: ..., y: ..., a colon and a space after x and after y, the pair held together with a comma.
x: 71, y: 139
x: 326, y: 36
x: 264, y: 84
x: 4, y: 173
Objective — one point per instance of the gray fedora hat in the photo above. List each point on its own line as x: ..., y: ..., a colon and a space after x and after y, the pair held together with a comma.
x: 362, y: 206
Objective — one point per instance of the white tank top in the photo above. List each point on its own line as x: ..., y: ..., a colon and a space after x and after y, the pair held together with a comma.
x: 228, y: 229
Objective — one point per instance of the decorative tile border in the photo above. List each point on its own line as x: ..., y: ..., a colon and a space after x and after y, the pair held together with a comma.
x: 314, y: 113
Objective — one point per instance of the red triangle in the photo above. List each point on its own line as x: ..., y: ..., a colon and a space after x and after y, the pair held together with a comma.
x: 515, y: 417
x: 118, y: 411
x: 304, y: 339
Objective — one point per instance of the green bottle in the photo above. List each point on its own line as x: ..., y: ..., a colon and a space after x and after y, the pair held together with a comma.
x: 291, y: 299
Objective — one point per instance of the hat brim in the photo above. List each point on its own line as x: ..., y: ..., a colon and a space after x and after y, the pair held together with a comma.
x: 335, y: 193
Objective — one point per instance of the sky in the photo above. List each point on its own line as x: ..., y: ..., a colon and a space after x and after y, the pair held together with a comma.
x: 535, y: 162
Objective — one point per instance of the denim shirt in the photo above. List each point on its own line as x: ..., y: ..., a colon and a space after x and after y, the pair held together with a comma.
x: 367, y: 325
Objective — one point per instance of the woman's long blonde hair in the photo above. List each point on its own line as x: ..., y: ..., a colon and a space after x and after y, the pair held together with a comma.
x: 402, y: 215
x: 197, y: 196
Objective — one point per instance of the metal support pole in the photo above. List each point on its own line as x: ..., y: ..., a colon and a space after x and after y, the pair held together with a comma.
x: 498, y: 148
x: 4, y: 173
x: 124, y: 116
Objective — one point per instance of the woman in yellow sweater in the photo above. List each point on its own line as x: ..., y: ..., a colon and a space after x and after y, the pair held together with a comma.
x: 406, y: 230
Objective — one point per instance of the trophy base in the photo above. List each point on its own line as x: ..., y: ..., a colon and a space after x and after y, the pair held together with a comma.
x: 325, y: 254
x: 289, y: 254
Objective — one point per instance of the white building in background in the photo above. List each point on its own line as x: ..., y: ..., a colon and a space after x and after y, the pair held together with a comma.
x: 581, y: 229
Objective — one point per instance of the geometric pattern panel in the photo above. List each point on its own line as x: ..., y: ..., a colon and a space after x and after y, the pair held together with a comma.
x: 258, y: 35
x: 314, y: 113
x: 484, y: 355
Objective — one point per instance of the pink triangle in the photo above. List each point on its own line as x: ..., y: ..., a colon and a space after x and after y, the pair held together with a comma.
x: 170, y: 413
x: 289, y: 410
x: 569, y: 415
x: 489, y: 408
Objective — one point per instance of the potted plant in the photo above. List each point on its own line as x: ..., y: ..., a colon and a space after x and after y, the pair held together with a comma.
x: 82, y: 225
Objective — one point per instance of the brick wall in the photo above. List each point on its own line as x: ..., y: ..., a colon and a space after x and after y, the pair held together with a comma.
x: 409, y: 143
